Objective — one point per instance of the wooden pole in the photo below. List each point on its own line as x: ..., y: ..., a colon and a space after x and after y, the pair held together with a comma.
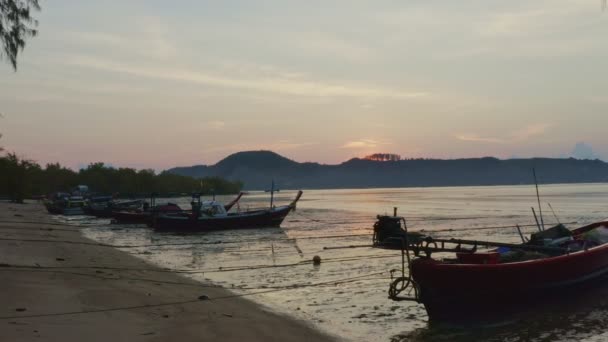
x: 466, y: 242
x: 536, y: 219
x: 554, y: 215
x: 349, y: 246
x: 271, y: 194
x: 500, y: 244
x: 540, y: 208
x: 523, y: 240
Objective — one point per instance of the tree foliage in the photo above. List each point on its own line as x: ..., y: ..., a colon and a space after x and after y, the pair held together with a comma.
x: 383, y: 157
x: 16, y: 25
x: 16, y: 176
x: 20, y: 178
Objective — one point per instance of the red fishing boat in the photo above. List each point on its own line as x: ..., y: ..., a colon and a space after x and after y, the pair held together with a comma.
x: 497, y: 284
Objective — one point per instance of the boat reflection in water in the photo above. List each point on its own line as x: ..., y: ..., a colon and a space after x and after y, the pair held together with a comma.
x: 573, y: 316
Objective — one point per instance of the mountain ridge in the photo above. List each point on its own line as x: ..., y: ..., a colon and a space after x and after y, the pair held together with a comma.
x: 257, y: 168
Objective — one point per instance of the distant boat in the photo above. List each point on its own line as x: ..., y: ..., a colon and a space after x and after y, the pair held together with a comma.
x: 104, y: 206
x: 64, y: 204
x: 145, y: 216
x: 211, y: 215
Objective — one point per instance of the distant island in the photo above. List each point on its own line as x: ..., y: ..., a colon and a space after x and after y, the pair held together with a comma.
x: 256, y: 169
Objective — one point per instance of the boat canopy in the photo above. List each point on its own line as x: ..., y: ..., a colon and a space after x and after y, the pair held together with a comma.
x: 213, y: 208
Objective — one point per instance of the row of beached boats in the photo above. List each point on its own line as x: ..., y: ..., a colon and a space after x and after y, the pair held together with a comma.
x: 458, y: 281
x: 204, y: 215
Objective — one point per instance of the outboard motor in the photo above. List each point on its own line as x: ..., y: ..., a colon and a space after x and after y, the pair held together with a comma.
x: 196, y: 205
x: 388, y: 230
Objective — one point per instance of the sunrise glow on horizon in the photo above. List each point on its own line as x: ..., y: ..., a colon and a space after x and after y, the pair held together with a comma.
x: 153, y: 84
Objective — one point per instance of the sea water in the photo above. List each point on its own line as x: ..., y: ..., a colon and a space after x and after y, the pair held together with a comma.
x: 346, y: 295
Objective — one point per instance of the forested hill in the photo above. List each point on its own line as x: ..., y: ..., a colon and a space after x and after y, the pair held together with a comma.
x: 256, y: 169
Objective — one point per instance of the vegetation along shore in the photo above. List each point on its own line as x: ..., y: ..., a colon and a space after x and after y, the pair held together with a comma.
x: 23, y: 178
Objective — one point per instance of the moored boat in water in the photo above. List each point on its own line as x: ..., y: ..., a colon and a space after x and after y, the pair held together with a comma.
x: 65, y: 204
x: 104, y: 206
x: 211, y: 215
x: 146, y: 214
x: 494, y: 285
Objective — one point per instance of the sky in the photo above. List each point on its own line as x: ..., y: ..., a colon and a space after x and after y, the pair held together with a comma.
x: 157, y: 84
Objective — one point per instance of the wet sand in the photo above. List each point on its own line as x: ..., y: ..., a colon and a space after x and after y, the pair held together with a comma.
x: 359, y: 310
x: 44, y: 302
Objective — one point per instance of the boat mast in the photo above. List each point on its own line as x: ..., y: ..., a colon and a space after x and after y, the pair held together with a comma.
x: 554, y: 215
x: 271, y: 193
x: 540, y: 208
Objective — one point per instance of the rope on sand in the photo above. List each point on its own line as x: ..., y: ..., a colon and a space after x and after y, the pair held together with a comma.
x: 218, y: 270
x: 219, y: 242
x: 119, y: 277
x: 199, y: 299
x: 43, y: 223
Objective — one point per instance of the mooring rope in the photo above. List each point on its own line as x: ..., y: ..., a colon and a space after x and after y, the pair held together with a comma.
x: 195, y: 271
x: 262, y: 239
x: 184, y: 302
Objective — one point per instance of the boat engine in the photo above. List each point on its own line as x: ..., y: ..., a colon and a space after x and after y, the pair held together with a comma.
x: 388, y: 227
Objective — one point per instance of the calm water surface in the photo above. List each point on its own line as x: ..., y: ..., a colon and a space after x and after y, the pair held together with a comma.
x: 347, y: 294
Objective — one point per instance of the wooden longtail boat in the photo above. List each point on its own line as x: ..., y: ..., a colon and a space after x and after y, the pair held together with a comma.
x: 65, y: 204
x: 145, y: 216
x: 500, y: 284
x: 207, y: 216
x: 105, y: 206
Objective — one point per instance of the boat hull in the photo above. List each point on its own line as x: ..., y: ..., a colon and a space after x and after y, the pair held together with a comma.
x: 53, y: 209
x: 101, y: 213
x: 465, y: 293
x: 60, y: 210
x: 126, y: 217
x: 143, y: 217
x: 256, y: 219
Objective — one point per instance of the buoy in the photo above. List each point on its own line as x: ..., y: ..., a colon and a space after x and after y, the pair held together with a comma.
x: 316, y: 260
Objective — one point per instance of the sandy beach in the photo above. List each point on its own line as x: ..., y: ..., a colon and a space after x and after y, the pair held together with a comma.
x: 60, y: 286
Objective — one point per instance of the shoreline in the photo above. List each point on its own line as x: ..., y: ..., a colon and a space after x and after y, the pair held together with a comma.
x: 109, y: 294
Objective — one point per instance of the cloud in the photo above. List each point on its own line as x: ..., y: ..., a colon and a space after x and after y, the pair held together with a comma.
x: 583, y: 151
x: 530, y: 131
x: 477, y: 138
x: 321, y: 45
x: 216, y: 125
x: 281, y: 145
x: 364, y: 143
x: 601, y: 99
x: 276, y: 84
x: 148, y: 37
x: 541, y: 29
x: 516, y: 23
x: 522, y: 134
